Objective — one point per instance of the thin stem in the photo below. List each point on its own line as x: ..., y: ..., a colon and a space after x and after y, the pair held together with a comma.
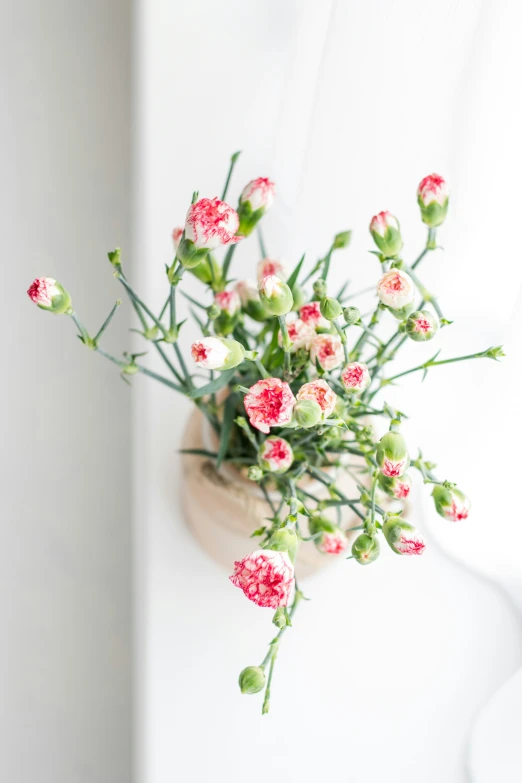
x: 260, y: 239
x: 426, y: 365
x: 286, y: 346
x: 424, y: 291
x: 81, y: 328
x: 342, y: 335
x: 107, y: 320
x: 228, y: 260
x: 135, y: 298
x: 274, y: 649
x: 262, y: 369
x: 233, y: 161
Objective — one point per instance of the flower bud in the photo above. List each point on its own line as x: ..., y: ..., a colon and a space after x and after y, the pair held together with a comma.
x: 275, y: 455
x: 217, y: 353
x: 307, y: 413
x: 257, y: 197
x: 365, y: 549
x: 421, y: 325
x: 433, y: 197
x: 284, y: 540
x: 386, y: 234
x: 213, y: 311
x: 329, y: 538
x: 327, y: 351
x: 398, y: 487
x: 351, y: 315
x: 50, y: 295
x: 355, y: 377
x: 403, y: 538
x: 342, y: 239
x: 275, y: 295
x: 392, y: 455
x: 310, y: 313
x: 396, y: 289
x: 451, y: 503
x: 320, y: 288
x: 254, y: 473
x: 330, y: 308
x: 230, y: 304
x: 280, y: 618
x: 252, y: 679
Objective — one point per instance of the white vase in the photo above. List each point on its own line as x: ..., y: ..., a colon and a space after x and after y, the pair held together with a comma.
x: 223, y: 508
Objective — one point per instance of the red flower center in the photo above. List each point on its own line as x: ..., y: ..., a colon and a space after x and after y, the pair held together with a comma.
x: 353, y: 376
x: 395, y: 283
x: 310, y: 312
x: 277, y: 451
x: 422, y: 325
x: 199, y: 352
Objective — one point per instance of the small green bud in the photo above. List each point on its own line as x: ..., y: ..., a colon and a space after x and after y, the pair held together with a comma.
x: 330, y: 308
x: 307, y: 413
x: 320, y: 288
x: 281, y: 618
x: 420, y: 326
x: 255, y: 473
x: 252, y: 679
x: 284, y: 540
x: 351, y: 315
x: 275, y: 295
x: 190, y: 255
x: 114, y: 256
x: 213, y: 311
x: 365, y: 549
x: 342, y: 239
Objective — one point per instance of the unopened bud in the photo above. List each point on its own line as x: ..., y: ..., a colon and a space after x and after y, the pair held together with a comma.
x: 252, y: 679
x: 275, y: 455
x: 392, y: 455
x: 257, y: 197
x: 351, y: 315
x: 342, y: 239
x: 365, y: 549
x: 403, y: 538
x: 275, y: 295
x: 330, y: 308
x: 213, y: 311
x: 421, y: 325
x: 48, y: 294
x: 398, y: 487
x: 217, y: 353
x: 255, y: 473
x: 320, y: 288
x: 386, y: 234
x: 451, y: 503
x: 281, y: 618
x: 307, y: 413
x: 328, y: 537
x: 433, y: 197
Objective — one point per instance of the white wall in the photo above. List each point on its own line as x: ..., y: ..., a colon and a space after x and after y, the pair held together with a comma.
x: 65, y: 554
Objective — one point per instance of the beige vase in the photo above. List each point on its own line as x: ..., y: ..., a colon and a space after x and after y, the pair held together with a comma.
x: 222, y: 508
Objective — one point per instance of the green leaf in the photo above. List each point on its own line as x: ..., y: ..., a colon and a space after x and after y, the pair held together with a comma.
x: 226, y: 426
x: 194, y: 301
x: 292, y: 280
x: 213, y: 386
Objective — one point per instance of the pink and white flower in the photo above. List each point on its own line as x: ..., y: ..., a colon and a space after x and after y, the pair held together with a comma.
x: 265, y: 577
x: 394, y: 467
x: 355, y: 377
x: 396, y: 289
x: 433, y: 188
x: 269, y: 267
x: 211, y: 223
x: 300, y: 333
x: 269, y: 403
x: 382, y: 222
x: 276, y: 455
x: 43, y: 290
x: 260, y: 193
x: 401, y: 487
x: 333, y: 543
x: 210, y: 353
x: 402, y: 537
x: 320, y: 392
x: 327, y: 350
x: 176, y: 237
x: 311, y: 314
x: 228, y: 301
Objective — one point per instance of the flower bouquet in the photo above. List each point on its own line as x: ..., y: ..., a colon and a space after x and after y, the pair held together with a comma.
x: 293, y: 376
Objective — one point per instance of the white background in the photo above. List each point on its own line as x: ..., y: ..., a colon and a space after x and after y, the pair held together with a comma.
x: 346, y: 105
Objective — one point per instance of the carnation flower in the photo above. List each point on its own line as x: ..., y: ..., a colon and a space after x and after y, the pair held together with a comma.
x: 269, y: 403
x: 176, y: 237
x: 433, y: 199
x: 327, y: 350
x: 333, y: 543
x: 275, y: 295
x: 211, y: 223
x: 395, y: 289
x: 403, y: 538
x: 259, y: 193
x: 265, y: 577
x: 269, y: 267
x: 386, y: 233
x: 392, y: 455
x: 300, y: 333
x: 217, y: 353
x: 228, y: 301
x: 50, y: 295
x: 421, y: 326
x: 320, y: 392
x: 355, y: 377
x: 398, y: 487
x: 275, y: 455
x: 311, y: 314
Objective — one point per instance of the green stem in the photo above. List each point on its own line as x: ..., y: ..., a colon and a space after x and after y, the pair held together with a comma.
x: 137, y: 301
x: 228, y: 260
x: 286, y: 346
x: 428, y: 364
x: 81, y: 328
x: 262, y: 369
x: 342, y: 335
x: 233, y: 161
x: 262, y: 246
x: 274, y: 649
x: 107, y: 320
